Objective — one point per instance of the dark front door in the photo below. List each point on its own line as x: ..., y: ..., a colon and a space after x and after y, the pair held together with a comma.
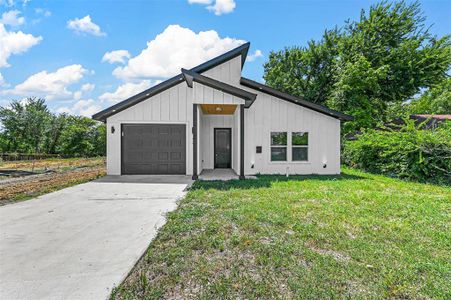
x: 223, y: 147
x: 153, y: 149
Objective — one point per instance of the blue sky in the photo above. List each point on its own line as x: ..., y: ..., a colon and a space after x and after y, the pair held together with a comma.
x: 87, y: 55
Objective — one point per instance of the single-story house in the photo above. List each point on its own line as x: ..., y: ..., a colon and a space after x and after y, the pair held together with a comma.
x: 211, y: 117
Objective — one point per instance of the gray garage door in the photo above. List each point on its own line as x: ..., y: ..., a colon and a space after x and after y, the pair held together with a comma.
x: 153, y: 149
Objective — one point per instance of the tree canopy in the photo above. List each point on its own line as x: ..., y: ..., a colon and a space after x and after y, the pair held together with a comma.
x: 29, y: 127
x: 364, y: 68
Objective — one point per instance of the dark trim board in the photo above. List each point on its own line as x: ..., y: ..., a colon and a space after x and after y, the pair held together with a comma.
x: 195, y: 112
x: 214, y: 147
x: 191, y: 76
x: 241, y: 141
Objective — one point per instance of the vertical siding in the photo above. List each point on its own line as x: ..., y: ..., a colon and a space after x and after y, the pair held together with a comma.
x: 269, y: 114
x: 205, y: 94
x: 209, y: 123
x: 228, y: 72
x: 174, y: 105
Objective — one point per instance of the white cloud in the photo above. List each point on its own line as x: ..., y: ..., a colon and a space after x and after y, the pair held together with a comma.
x: 12, y: 18
x: 87, y: 87
x: 49, y: 85
x: 77, y: 95
x: 2, y: 80
x: 44, y: 12
x: 85, y: 26
x: 219, y: 7
x: 126, y: 90
x: 14, y: 43
x: 84, y: 108
x: 252, y: 57
x: 7, y: 3
x: 117, y: 56
x: 174, y: 48
x: 222, y: 7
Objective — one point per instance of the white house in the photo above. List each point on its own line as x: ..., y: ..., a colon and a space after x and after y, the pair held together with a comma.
x: 211, y: 117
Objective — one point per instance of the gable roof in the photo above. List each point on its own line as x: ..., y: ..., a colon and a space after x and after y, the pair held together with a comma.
x: 191, y: 76
x: 104, y: 114
x: 290, y: 98
x: 194, y: 75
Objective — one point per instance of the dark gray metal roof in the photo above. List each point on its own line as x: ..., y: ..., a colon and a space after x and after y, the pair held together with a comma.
x: 191, y: 76
x: 104, y: 114
x: 290, y: 98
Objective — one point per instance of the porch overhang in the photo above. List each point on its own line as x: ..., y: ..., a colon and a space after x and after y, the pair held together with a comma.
x: 191, y: 76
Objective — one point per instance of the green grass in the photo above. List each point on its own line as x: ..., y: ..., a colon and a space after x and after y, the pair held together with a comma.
x: 307, y: 237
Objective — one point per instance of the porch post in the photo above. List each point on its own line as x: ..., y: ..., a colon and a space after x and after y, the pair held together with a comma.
x: 241, y: 141
x: 194, y: 142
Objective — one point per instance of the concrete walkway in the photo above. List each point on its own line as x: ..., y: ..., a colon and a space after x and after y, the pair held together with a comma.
x: 80, y: 242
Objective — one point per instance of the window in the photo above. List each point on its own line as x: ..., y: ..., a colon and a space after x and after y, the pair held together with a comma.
x: 278, y: 146
x: 299, y: 143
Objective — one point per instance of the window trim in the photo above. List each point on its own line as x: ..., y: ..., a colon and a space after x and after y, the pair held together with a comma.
x: 299, y: 146
x: 278, y: 146
x: 289, y: 149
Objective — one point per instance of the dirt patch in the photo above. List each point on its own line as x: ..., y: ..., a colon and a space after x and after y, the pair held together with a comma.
x: 338, y: 256
x: 53, y: 164
x: 30, y: 186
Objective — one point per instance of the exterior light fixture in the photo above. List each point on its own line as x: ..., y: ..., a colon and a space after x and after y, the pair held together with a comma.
x: 112, y: 129
x: 218, y: 109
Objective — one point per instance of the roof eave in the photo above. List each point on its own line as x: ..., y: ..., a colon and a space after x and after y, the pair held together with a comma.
x: 191, y: 76
x: 290, y: 98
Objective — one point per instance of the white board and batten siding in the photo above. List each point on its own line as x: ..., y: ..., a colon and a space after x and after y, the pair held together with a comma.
x: 173, y: 106
x: 206, y: 138
x: 270, y: 114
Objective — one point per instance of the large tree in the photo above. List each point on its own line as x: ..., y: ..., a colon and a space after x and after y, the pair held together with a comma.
x: 24, y: 125
x: 307, y: 72
x: 383, y: 59
x: 30, y: 127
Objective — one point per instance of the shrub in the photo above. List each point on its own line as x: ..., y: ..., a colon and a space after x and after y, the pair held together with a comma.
x: 409, y: 153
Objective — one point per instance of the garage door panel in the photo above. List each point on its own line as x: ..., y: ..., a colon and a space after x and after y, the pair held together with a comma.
x: 153, y: 149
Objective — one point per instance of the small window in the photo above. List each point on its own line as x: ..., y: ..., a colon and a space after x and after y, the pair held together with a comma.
x: 299, y: 143
x: 278, y: 146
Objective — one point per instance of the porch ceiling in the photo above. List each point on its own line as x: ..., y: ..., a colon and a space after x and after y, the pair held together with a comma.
x: 218, y: 109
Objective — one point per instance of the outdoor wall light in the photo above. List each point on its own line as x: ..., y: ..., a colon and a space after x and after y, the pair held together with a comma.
x: 112, y: 129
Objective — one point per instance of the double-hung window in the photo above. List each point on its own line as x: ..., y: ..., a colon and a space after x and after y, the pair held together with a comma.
x: 278, y: 146
x: 299, y: 146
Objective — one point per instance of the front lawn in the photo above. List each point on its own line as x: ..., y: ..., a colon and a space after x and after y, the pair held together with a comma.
x: 351, y: 236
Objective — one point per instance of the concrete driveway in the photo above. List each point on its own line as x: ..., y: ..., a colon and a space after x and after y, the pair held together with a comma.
x: 80, y: 242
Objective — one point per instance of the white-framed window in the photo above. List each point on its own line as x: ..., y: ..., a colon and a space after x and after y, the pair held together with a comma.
x: 299, y: 146
x: 279, y: 144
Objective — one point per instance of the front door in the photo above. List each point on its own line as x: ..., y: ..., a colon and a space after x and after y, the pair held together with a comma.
x: 223, y: 147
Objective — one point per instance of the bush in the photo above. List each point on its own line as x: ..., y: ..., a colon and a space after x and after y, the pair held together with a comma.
x: 409, y: 153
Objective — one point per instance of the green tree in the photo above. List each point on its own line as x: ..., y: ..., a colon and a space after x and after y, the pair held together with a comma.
x: 29, y: 127
x: 307, y: 72
x: 436, y: 100
x: 24, y: 125
x: 82, y: 137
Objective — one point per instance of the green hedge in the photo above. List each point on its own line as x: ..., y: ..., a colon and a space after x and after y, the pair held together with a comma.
x: 409, y: 153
